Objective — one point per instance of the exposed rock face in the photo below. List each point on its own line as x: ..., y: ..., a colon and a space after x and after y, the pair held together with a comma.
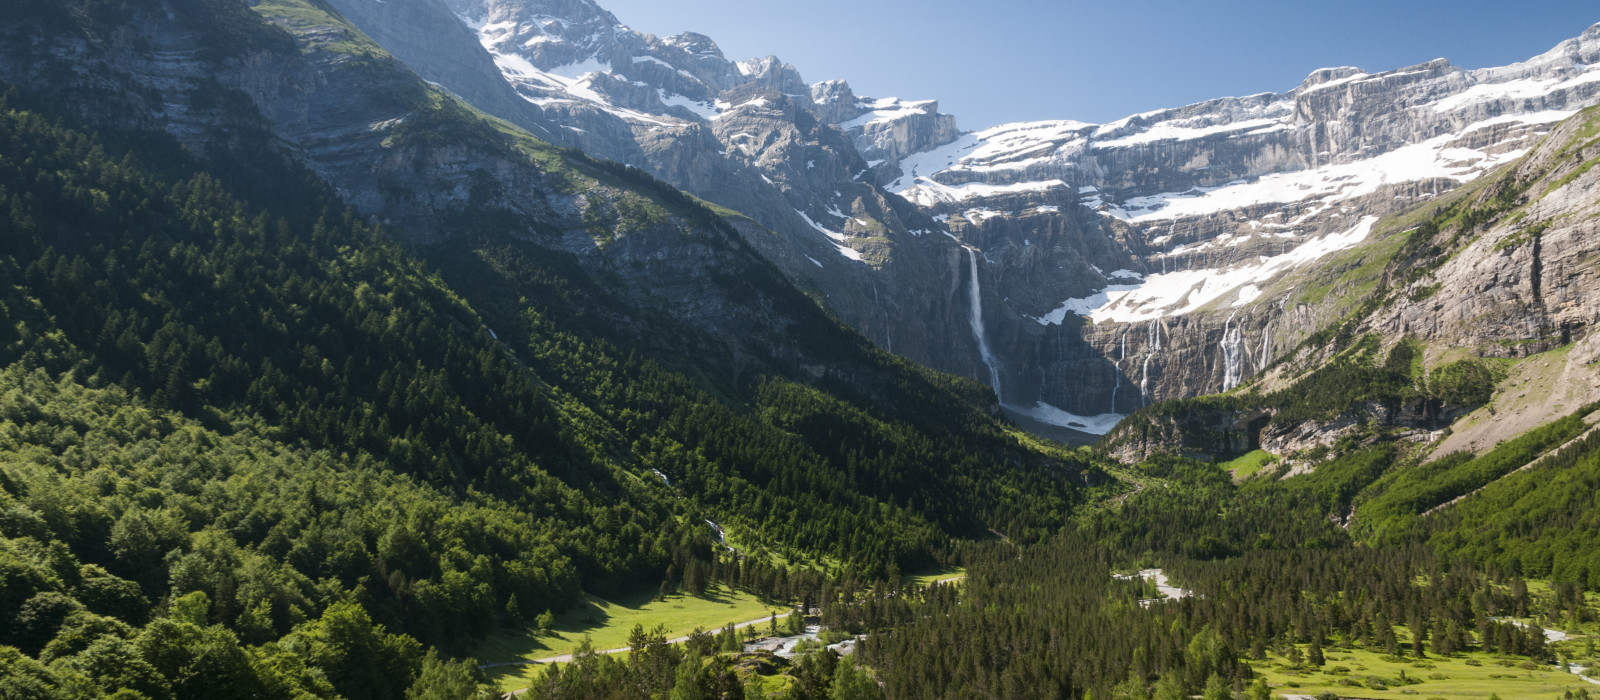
x: 751, y: 136
x: 886, y: 130
x: 348, y: 112
x: 433, y: 42
x: 1510, y: 274
x: 1120, y: 264
x: 1207, y: 209
x: 1529, y: 282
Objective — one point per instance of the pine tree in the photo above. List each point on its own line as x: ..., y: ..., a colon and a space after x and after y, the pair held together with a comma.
x: 689, y: 682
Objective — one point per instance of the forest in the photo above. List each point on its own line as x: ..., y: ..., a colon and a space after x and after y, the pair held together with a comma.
x: 255, y: 444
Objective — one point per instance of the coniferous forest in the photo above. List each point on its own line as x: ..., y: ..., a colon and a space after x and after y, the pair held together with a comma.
x: 256, y: 444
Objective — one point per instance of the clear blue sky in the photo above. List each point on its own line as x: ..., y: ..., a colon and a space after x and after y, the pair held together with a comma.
x: 997, y: 61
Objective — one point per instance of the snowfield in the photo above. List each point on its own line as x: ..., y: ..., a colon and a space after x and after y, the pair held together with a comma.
x: 1185, y: 291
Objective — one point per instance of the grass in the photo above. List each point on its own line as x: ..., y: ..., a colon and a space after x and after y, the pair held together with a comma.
x: 1349, y: 275
x: 1249, y: 464
x: 1541, y: 597
x: 1439, y: 677
x: 931, y: 577
x: 351, y: 42
x: 1525, y: 382
x: 607, y: 624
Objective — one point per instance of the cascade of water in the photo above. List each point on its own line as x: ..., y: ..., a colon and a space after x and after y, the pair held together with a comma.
x: 975, y: 317
x: 1153, y: 347
x: 1232, y: 350
x: 1266, y: 346
x: 1117, y: 369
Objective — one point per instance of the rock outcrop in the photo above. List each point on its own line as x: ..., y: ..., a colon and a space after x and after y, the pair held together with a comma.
x: 1504, y: 270
x: 1092, y: 236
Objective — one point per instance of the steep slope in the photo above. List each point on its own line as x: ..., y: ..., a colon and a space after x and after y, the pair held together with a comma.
x: 1202, y: 209
x: 798, y: 164
x: 1159, y: 231
x: 1482, y: 299
x: 230, y: 388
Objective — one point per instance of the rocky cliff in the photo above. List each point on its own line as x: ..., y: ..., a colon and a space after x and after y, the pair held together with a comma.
x: 414, y: 157
x: 1491, y: 289
x: 796, y: 164
x: 1194, y: 216
x: 1085, y: 270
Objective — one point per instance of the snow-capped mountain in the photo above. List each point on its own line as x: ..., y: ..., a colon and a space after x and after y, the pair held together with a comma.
x: 1085, y: 269
x: 799, y: 163
x: 1211, y: 203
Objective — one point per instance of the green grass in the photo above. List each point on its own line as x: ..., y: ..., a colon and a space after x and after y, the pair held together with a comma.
x: 352, y: 42
x: 1456, y: 679
x: 608, y: 623
x: 720, y: 210
x: 930, y: 577
x: 1248, y: 465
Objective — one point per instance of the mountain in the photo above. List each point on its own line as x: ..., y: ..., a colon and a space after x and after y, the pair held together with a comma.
x: 338, y: 361
x: 1463, y: 322
x: 310, y: 365
x: 750, y: 136
x: 1144, y: 229
x: 1210, y: 205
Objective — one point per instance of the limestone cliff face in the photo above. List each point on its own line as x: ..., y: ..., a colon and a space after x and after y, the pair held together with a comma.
x: 887, y: 130
x: 1114, y: 265
x: 408, y: 154
x: 1210, y: 208
x: 751, y: 136
x: 1528, y: 282
x: 430, y: 39
x: 1505, y: 270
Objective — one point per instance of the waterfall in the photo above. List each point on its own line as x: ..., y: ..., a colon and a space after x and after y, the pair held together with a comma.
x: 1153, y: 347
x: 1266, y: 345
x: 1118, y: 367
x: 1232, y: 349
x: 975, y: 317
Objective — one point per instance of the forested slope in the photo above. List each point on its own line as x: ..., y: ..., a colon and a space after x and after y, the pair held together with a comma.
x: 257, y: 444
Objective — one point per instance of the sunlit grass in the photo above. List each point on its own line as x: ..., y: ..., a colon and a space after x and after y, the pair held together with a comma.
x: 607, y: 624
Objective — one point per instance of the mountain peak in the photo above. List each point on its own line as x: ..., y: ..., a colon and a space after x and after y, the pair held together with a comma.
x: 1327, y: 75
x: 698, y: 45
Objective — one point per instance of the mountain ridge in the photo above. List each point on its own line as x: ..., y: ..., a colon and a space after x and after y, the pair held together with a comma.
x: 1039, y: 183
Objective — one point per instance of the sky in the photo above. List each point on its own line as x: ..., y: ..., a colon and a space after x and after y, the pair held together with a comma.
x: 999, y: 61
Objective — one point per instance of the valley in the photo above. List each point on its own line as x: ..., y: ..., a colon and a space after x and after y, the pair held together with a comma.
x: 447, y: 349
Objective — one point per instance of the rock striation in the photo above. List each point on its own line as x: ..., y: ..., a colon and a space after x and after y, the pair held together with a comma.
x: 1116, y: 264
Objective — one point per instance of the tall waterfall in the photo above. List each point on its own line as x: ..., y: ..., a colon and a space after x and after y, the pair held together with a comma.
x: 1232, y: 354
x: 1153, y: 348
x: 975, y: 317
x: 1266, y: 347
x: 1123, y: 355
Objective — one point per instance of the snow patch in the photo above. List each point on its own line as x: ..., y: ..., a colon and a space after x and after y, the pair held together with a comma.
x: 1045, y: 413
x: 1185, y: 291
x: 835, y: 237
x: 1434, y: 158
x: 928, y: 193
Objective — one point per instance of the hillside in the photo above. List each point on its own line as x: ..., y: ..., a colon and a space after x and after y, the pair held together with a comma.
x: 1118, y: 259
x: 259, y: 442
x: 337, y: 360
